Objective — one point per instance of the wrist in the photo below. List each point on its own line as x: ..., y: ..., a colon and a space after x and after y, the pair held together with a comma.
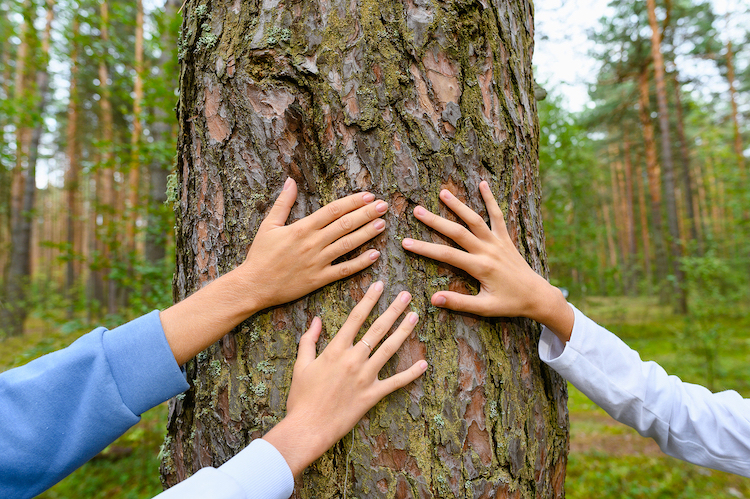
x: 297, y: 442
x: 552, y: 309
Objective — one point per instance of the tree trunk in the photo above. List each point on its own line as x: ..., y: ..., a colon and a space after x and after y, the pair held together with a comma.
x: 106, y: 205
x: 675, y: 242
x: 645, y: 238
x: 686, y: 177
x: 653, y: 175
x: 629, y: 214
x: 72, y: 174
x: 401, y: 100
x: 135, y: 137
x: 162, y: 132
x: 738, y: 150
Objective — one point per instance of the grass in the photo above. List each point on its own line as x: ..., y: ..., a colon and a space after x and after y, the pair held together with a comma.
x: 610, y: 460
x: 607, y: 459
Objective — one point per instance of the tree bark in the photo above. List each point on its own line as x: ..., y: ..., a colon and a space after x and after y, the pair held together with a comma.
x: 134, y: 179
x: 400, y: 99
x: 675, y: 243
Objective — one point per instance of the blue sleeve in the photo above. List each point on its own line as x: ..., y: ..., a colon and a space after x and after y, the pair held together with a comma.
x: 60, y: 410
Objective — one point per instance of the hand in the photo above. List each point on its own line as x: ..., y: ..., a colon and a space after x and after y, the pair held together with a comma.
x: 330, y: 393
x: 286, y: 262
x: 508, y: 286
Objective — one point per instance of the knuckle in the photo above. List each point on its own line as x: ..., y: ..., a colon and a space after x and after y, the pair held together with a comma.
x: 346, y: 244
x: 334, y: 209
x: 345, y: 269
x: 387, y: 350
x: 444, y: 253
x: 345, y: 223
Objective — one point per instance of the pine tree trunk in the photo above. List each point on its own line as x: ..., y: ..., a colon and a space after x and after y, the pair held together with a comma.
x: 72, y: 175
x: 692, y: 218
x: 135, y: 137
x: 675, y: 242
x: 401, y: 100
x: 106, y: 205
x: 627, y: 172
x: 653, y: 174
x: 161, y: 132
x: 738, y: 150
x: 645, y: 237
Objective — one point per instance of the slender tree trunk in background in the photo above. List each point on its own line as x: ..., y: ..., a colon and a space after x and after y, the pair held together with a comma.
x: 135, y: 138
x: 692, y: 219
x: 645, y: 237
x: 675, y: 243
x: 701, y: 203
x: 620, y: 228
x: 72, y: 174
x: 5, y: 174
x: 107, y: 210
x: 654, y: 176
x: 716, y: 207
x: 401, y: 100
x: 733, y: 101
x: 161, y: 131
x: 629, y: 214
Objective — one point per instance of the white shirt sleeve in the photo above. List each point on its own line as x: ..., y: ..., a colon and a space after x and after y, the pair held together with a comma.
x: 259, y: 471
x: 686, y: 420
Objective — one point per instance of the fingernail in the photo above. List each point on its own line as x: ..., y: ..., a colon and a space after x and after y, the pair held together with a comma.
x: 413, y: 318
x: 378, y: 286
x: 423, y: 365
x: 368, y: 197
x: 287, y: 184
x: 419, y: 211
x: 446, y: 194
x: 483, y: 184
x: 405, y: 297
x: 381, y: 207
x: 407, y: 242
x: 374, y: 255
x: 379, y: 224
x: 440, y: 301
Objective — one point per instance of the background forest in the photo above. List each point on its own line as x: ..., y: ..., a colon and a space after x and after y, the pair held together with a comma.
x: 646, y: 206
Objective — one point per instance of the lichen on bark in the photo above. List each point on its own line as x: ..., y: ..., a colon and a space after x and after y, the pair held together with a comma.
x: 401, y: 99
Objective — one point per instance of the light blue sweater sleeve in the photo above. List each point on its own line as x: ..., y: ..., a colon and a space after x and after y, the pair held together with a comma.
x: 60, y: 410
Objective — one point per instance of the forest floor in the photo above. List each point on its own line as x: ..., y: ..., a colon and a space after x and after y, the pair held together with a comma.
x: 607, y: 459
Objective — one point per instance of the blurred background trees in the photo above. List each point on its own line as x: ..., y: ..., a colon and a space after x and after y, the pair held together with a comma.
x: 650, y: 176
x: 87, y: 137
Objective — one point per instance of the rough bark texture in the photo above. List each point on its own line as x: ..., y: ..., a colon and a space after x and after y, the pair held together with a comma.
x: 400, y: 99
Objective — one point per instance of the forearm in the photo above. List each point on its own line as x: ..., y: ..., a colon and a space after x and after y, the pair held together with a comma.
x: 208, y: 314
x: 687, y: 421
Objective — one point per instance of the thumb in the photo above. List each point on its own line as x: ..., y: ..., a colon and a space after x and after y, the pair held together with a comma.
x: 307, y: 352
x: 283, y: 205
x: 459, y: 302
